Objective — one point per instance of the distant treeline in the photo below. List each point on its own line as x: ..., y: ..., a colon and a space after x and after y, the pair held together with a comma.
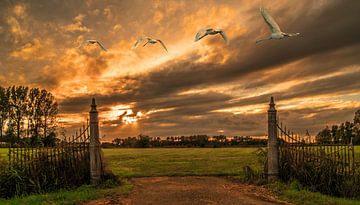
x: 27, y: 116
x: 344, y: 133
x: 143, y: 141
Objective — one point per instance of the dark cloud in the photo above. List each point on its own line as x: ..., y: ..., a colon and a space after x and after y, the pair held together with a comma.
x: 328, y: 44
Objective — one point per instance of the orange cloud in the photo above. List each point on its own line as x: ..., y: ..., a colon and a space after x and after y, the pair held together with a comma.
x: 77, y: 26
x: 35, y: 50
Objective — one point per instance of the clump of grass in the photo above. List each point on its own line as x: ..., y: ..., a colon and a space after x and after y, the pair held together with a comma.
x: 257, y: 176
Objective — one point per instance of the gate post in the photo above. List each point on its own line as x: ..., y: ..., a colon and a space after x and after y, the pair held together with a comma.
x: 95, y: 156
x: 273, y: 153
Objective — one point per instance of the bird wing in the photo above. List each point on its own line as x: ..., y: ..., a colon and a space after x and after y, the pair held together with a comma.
x: 83, y: 43
x: 223, y: 34
x: 200, y: 34
x: 162, y: 43
x: 138, y: 41
x: 146, y: 43
x: 274, y: 27
x: 101, y: 45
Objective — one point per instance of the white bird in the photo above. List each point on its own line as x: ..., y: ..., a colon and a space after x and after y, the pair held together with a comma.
x: 209, y: 31
x: 87, y: 42
x: 148, y: 40
x: 276, y: 33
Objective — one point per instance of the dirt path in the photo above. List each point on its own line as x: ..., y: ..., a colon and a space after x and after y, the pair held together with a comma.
x: 191, y: 190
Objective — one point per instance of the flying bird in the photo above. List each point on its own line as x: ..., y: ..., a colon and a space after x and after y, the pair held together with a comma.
x: 209, y: 31
x: 148, y: 40
x: 87, y: 42
x: 276, y: 33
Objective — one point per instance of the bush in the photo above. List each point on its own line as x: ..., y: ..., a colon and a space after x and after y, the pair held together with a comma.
x: 14, y: 182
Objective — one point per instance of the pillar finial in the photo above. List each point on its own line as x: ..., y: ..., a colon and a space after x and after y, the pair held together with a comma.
x: 93, y: 105
x: 272, y: 103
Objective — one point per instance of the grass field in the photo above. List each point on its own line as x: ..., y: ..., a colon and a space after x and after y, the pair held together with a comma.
x: 180, y: 161
x: 3, y: 153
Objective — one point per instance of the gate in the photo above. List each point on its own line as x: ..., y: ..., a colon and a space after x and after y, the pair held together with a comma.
x: 294, y: 156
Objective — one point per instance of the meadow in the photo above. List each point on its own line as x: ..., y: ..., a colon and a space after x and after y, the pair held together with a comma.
x: 180, y: 161
x: 3, y: 153
x: 128, y: 163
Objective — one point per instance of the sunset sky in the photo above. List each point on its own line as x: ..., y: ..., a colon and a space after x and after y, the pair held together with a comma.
x: 206, y: 87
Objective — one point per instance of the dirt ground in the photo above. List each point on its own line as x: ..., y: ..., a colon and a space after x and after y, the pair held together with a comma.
x: 191, y: 190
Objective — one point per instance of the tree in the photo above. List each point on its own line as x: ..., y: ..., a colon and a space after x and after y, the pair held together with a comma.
x: 50, y: 140
x: 4, y: 108
x: 143, y: 141
x: 324, y: 136
x: 17, y: 103
x: 27, y: 112
x: 49, y: 110
x: 34, y: 111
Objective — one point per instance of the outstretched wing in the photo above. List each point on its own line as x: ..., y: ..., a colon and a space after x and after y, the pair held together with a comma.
x: 200, y: 34
x: 138, y: 41
x: 274, y: 27
x: 162, y: 45
x: 82, y: 44
x: 146, y: 43
x: 223, y: 34
x: 101, y: 45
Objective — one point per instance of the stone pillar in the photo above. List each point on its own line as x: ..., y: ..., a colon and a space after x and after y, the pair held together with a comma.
x: 273, y: 153
x: 95, y: 149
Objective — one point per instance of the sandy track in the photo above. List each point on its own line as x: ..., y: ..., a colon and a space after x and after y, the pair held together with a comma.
x: 191, y: 190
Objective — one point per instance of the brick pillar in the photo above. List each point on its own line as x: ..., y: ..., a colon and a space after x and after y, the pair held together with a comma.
x: 273, y: 153
x: 95, y: 156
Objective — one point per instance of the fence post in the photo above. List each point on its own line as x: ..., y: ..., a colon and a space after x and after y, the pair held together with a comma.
x: 95, y: 156
x: 273, y: 153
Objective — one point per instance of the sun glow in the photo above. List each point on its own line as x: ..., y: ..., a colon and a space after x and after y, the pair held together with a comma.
x: 123, y: 114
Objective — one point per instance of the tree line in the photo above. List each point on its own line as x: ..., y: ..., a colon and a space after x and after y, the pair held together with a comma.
x: 27, y: 116
x: 344, y: 133
x: 143, y: 141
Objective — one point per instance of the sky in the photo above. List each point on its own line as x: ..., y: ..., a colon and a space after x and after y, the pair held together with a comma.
x: 204, y: 87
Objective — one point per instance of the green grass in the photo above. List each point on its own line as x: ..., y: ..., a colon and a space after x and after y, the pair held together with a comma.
x: 179, y: 161
x: 304, y: 197
x: 76, y: 196
x: 4, y: 153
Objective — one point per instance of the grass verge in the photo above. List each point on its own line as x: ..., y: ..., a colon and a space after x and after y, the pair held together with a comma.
x: 70, y: 197
x: 296, y: 194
